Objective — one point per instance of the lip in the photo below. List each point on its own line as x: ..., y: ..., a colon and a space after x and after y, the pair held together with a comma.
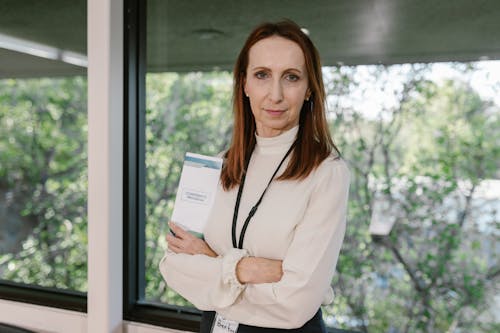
x: 274, y: 112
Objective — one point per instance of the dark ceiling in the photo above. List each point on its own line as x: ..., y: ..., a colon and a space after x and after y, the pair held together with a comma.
x: 203, y: 35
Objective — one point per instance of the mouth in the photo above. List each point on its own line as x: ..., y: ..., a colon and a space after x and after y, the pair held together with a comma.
x: 274, y: 112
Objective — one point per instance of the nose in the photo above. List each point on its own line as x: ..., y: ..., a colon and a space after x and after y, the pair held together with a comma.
x: 276, y: 91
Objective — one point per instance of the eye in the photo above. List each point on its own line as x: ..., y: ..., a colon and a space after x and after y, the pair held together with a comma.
x: 292, y: 77
x: 261, y: 75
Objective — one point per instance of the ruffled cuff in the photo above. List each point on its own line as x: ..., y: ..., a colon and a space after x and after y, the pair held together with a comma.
x: 229, y: 262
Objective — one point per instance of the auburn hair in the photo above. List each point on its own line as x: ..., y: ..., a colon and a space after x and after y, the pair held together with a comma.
x: 314, y: 143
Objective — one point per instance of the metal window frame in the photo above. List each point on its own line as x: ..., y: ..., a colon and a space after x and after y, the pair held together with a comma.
x: 134, y: 306
x: 52, y: 297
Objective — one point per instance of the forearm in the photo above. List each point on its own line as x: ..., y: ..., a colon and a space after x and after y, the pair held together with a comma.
x: 256, y: 270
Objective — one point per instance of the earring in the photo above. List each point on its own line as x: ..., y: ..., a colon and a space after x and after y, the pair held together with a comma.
x: 311, y: 106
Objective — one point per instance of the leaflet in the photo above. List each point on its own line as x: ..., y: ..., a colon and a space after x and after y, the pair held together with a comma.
x: 196, y: 192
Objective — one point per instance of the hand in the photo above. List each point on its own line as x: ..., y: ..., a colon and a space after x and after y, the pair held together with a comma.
x: 259, y: 270
x: 185, y: 242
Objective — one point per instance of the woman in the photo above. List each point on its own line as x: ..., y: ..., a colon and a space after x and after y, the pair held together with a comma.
x: 274, y: 235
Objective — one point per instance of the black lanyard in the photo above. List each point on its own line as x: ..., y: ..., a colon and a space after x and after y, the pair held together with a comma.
x: 254, y: 208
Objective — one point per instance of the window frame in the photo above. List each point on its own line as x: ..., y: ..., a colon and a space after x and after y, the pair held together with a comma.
x: 134, y: 174
x: 52, y: 297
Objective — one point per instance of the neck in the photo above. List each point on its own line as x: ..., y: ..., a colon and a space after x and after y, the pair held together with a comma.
x: 269, y: 132
x: 277, y: 144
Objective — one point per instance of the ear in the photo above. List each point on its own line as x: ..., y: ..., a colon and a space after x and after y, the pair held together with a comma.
x: 308, y: 94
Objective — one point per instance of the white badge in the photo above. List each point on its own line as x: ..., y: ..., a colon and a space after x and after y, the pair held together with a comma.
x: 223, y: 325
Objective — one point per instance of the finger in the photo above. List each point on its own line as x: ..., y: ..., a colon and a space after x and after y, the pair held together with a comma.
x: 174, y: 248
x: 171, y: 240
x: 179, y: 232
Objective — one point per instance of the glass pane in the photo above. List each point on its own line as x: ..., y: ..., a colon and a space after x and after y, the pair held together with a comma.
x: 188, y: 112
x: 422, y: 236
x: 43, y: 145
x: 421, y: 250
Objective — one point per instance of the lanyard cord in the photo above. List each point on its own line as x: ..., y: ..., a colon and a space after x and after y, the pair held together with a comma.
x: 254, y: 208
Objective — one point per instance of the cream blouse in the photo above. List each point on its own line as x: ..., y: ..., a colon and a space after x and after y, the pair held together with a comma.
x: 299, y: 222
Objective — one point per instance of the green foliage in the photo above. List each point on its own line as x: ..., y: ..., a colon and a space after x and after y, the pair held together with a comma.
x: 184, y: 113
x: 425, y: 156
x: 43, y: 166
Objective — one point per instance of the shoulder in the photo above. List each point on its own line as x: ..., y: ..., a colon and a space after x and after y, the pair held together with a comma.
x: 333, y: 171
x: 334, y: 164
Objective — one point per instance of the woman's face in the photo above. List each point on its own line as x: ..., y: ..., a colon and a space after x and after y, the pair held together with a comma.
x: 276, y: 84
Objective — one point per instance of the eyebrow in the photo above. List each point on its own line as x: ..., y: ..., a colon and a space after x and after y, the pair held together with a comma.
x: 267, y: 68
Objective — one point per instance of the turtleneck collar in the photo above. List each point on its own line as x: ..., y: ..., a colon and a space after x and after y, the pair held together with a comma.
x: 277, y: 144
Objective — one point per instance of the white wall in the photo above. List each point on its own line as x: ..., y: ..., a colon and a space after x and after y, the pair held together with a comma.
x: 105, y: 165
x: 43, y: 319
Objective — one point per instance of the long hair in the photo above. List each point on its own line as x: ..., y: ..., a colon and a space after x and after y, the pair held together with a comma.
x: 314, y: 143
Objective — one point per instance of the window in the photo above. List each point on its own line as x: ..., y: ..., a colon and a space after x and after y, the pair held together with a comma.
x: 422, y: 207
x: 420, y: 139
x: 43, y: 159
x: 159, y: 135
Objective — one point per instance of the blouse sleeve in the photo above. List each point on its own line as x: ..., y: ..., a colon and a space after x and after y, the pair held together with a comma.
x: 208, y: 283
x: 310, y: 261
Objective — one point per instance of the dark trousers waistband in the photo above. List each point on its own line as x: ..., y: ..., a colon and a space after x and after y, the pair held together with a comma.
x: 314, y: 325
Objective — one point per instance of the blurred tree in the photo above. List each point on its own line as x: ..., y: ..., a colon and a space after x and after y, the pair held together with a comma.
x: 43, y: 181
x: 190, y: 112
x: 421, y: 160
